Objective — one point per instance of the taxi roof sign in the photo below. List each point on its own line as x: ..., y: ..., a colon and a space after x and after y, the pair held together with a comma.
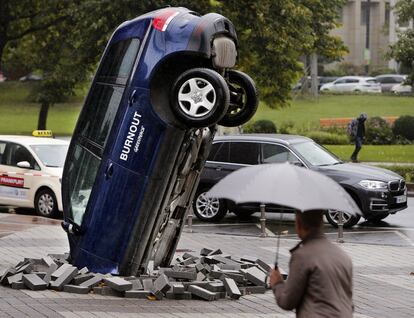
x: 42, y: 133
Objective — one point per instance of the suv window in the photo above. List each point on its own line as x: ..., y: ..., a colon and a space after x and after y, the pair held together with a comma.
x: 15, y: 153
x: 342, y: 81
x: 277, y: 154
x: 2, y: 149
x: 220, y: 152
x: 352, y: 80
x: 244, y: 153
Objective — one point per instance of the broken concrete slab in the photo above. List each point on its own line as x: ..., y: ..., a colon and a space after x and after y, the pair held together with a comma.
x: 33, y: 282
x: 118, y: 283
x: 202, y: 292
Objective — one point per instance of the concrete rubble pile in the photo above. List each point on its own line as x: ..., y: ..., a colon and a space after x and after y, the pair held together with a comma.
x: 209, y: 276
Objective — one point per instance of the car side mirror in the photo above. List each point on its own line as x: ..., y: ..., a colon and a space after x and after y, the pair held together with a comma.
x: 24, y: 164
x: 298, y: 164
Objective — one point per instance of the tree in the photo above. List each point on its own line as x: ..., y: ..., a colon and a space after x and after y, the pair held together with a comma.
x: 403, y: 50
x: 24, y: 17
x: 274, y: 34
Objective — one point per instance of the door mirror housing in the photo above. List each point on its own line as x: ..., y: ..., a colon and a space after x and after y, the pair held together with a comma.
x: 298, y: 164
x: 24, y: 164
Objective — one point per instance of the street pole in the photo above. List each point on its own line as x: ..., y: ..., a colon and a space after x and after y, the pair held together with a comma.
x: 341, y: 227
x: 367, y: 52
x: 263, y: 220
x: 314, y: 74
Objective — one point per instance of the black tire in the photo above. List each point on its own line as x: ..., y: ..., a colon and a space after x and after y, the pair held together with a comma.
x: 46, y: 203
x: 208, y: 209
x: 243, y: 99
x: 349, y: 220
x: 199, y: 97
x: 243, y: 214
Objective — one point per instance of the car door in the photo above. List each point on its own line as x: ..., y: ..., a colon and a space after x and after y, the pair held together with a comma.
x: 226, y: 157
x: 16, y: 183
x: 339, y: 85
x: 276, y: 153
x: 351, y: 84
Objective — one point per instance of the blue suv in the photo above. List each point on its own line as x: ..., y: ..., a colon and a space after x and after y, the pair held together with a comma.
x: 164, y: 83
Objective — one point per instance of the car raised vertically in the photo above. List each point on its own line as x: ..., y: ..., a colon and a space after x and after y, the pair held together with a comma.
x: 165, y: 81
x: 30, y: 173
x: 378, y: 192
x: 353, y: 84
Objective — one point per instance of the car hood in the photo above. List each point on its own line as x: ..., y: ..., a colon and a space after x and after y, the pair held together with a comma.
x: 53, y: 171
x: 353, y: 173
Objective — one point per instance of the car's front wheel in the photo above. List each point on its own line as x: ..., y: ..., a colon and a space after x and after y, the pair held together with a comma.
x: 200, y: 97
x: 208, y: 209
x: 46, y: 204
x: 348, y: 220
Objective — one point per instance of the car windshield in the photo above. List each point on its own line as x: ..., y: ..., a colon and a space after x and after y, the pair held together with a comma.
x: 315, y: 154
x: 51, y: 155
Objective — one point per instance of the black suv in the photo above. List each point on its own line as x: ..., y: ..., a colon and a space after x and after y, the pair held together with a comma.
x: 378, y: 192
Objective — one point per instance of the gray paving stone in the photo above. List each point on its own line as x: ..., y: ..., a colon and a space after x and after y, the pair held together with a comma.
x: 215, y: 252
x: 60, y: 270
x: 215, y: 286
x: 118, y: 283
x: 181, y: 274
x: 180, y: 296
x: 14, y: 278
x: 34, y: 282
x: 162, y: 284
x: 80, y: 278
x: 265, y: 266
x: 231, y: 288
x: 205, y: 251
x: 140, y: 294
x: 255, y: 276
x: 84, y: 270
x: 64, y: 278
x: 52, y: 268
x: 202, y: 292
x: 75, y: 289
x: 18, y: 285
x: 148, y: 284
x: 177, y: 288
x: 109, y: 291
x: 136, y: 284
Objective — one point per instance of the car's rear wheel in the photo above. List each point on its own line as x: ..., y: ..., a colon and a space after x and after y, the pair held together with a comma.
x: 208, y: 209
x: 243, y: 99
x: 200, y: 97
x: 348, y: 220
x: 46, y: 204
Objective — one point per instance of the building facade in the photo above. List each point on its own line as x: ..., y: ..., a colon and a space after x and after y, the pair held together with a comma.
x: 383, y: 32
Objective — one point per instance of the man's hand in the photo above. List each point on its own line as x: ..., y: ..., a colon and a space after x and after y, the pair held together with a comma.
x: 275, y: 277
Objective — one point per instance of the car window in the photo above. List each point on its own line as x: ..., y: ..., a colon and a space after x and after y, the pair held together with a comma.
x: 51, y: 155
x: 2, y: 149
x: 118, y: 62
x: 372, y: 81
x: 277, y: 154
x: 352, y: 80
x: 82, y: 173
x: 15, y: 153
x: 315, y: 154
x: 342, y: 81
x: 222, y: 152
x: 244, y: 153
x: 213, y: 151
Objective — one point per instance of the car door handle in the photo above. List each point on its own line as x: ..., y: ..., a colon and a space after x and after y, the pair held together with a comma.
x: 133, y: 98
x: 109, y: 171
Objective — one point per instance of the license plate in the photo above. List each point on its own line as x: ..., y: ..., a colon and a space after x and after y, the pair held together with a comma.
x: 401, y: 199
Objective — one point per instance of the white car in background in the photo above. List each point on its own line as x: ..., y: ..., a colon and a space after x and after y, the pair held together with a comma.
x: 354, y: 84
x: 30, y: 173
x: 401, y: 89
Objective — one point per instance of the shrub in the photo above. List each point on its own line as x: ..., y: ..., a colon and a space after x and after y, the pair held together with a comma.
x: 404, y: 127
x: 286, y: 127
x: 378, y: 132
x: 261, y: 126
x: 326, y: 138
x: 407, y: 172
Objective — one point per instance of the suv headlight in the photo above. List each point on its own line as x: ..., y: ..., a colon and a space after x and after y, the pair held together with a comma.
x: 373, y: 185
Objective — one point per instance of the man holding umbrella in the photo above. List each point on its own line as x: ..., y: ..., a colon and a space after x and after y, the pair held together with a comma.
x: 320, y: 274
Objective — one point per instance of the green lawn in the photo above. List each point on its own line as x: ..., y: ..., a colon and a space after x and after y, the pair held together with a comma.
x: 305, y: 113
x: 19, y: 116
x: 391, y: 153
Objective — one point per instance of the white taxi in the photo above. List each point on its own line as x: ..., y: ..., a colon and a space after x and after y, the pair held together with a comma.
x: 31, y: 171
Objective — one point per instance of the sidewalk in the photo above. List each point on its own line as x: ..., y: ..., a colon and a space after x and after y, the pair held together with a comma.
x: 383, y: 286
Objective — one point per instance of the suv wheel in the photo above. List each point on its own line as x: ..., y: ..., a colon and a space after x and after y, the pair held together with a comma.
x: 208, y: 209
x: 200, y: 97
x: 349, y: 220
x: 243, y: 99
x: 45, y: 203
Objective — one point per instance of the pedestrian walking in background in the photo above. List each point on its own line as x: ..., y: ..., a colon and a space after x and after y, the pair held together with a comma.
x: 320, y: 274
x: 359, y: 135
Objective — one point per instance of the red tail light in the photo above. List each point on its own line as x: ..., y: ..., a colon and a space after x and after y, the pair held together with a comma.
x: 161, y: 22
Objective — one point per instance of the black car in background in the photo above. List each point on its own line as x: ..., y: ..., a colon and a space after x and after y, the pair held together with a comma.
x: 378, y: 192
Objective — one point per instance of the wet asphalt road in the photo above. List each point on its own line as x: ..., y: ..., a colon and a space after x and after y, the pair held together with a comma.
x: 397, y: 229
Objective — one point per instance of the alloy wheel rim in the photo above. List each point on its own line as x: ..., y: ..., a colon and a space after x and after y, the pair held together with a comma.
x: 334, y: 215
x: 196, y: 97
x: 207, y: 207
x: 45, y: 204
